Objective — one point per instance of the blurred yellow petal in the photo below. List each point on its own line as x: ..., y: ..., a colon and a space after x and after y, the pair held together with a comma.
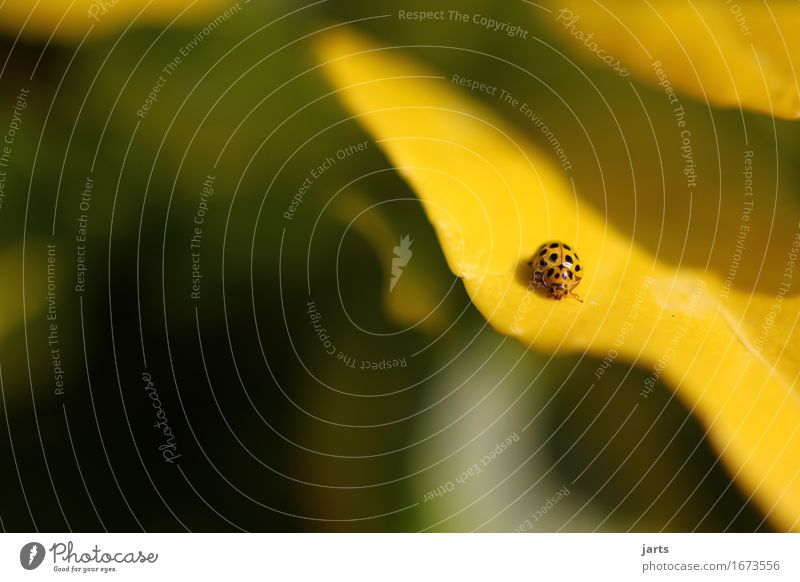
x: 493, y: 198
x: 415, y: 296
x: 11, y: 311
x: 8, y: 316
x: 739, y: 54
x: 68, y: 20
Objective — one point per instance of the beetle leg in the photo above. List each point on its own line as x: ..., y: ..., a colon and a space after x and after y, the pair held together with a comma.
x: 572, y: 290
x: 575, y: 296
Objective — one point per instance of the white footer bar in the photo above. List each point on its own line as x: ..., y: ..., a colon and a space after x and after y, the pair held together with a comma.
x: 400, y: 557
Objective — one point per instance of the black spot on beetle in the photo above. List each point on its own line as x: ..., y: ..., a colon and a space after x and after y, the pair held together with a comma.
x: 542, y: 263
x: 570, y: 274
x: 543, y: 252
x: 577, y: 267
x: 568, y: 259
x: 550, y: 272
x: 567, y: 247
x: 554, y: 257
x: 554, y: 245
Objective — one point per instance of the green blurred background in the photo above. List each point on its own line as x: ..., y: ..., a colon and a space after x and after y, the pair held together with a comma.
x: 274, y: 432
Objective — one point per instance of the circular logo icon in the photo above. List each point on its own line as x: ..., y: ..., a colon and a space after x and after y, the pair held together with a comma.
x: 31, y: 555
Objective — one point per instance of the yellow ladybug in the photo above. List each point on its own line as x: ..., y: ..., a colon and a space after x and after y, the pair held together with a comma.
x: 557, y: 268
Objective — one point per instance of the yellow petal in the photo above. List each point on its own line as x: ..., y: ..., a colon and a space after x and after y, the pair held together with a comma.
x: 11, y: 307
x: 414, y: 295
x: 68, y: 21
x: 741, y: 54
x: 493, y: 198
